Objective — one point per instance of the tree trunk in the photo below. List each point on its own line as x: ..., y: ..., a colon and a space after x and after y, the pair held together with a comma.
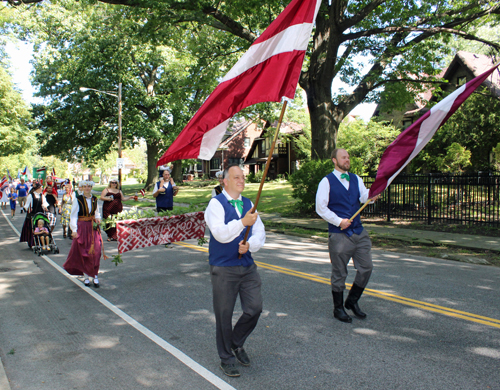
x: 177, y: 171
x: 152, y: 154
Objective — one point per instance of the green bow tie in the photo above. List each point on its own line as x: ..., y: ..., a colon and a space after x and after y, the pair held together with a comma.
x: 238, y: 204
x: 345, y: 176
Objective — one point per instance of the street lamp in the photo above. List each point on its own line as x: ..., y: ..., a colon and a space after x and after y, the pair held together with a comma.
x: 119, y: 96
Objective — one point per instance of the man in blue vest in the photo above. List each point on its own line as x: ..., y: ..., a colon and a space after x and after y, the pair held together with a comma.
x: 338, y: 198
x: 232, y: 268
x: 164, y: 192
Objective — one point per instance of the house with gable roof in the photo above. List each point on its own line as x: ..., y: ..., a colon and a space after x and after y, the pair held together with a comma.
x: 464, y: 67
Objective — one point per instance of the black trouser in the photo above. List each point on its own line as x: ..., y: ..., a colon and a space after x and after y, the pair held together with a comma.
x: 158, y: 209
x: 227, y: 283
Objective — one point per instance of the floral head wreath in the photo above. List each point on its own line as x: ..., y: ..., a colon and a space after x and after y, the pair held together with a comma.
x: 86, y: 183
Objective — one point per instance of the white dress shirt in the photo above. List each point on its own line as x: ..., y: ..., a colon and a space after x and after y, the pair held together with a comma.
x: 166, y: 186
x: 323, y: 197
x: 29, y: 200
x: 224, y: 233
x: 75, y: 208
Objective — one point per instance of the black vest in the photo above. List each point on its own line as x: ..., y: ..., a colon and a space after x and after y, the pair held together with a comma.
x: 84, y: 207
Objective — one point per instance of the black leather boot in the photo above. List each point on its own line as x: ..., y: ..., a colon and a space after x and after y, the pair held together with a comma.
x: 351, y: 303
x: 338, y: 304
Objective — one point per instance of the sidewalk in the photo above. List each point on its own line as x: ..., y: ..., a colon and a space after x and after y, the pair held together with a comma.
x: 403, y: 234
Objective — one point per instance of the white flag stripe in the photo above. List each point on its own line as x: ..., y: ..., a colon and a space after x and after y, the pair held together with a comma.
x: 293, y: 38
x: 211, y: 140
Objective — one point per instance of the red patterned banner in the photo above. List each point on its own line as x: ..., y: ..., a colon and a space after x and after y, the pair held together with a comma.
x: 144, y: 232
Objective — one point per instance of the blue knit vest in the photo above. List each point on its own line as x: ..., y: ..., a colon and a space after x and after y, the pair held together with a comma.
x: 344, y: 203
x: 226, y: 255
x: 165, y: 199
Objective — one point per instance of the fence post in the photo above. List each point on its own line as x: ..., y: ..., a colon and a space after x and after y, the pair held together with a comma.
x: 429, y: 203
x: 389, y: 203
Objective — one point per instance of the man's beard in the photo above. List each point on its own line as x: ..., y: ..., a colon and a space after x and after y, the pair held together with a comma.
x: 344, y: 167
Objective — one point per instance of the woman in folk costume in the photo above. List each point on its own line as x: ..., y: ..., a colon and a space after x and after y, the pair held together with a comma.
x: 65, y: 209
x: 35, y: 203
x: 112, y: 198
x: 218, y: 190
x: 84, y: 256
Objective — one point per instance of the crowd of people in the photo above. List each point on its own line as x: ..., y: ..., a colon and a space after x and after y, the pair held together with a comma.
x: 236, y: 232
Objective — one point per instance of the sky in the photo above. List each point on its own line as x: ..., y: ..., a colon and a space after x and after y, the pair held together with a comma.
x: 21, y: 53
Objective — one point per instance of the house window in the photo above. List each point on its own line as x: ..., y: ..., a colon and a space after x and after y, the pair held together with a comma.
x: 236, y: 161
x: 215, y: 163
x: 267, y: 145
x: 246, y: 143
x: 461, y: 81
x: 407, y: 122
x: 256, y: 152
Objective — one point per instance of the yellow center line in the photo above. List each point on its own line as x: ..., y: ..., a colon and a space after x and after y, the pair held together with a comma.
x: 375, y: 293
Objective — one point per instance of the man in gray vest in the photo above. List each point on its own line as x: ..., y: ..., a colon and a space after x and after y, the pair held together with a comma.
x: 338, y: 198
x: 232, y: 269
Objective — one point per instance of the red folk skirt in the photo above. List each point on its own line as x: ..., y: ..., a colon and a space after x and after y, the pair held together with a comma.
x: 85, y: 254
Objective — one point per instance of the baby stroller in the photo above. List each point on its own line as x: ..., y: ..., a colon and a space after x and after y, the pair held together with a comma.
x: 38, y: 246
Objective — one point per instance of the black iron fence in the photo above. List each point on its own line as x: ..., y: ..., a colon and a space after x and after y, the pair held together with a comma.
x: 464, y: 199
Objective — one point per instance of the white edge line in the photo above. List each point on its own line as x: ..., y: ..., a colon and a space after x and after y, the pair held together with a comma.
x: 179, y: 355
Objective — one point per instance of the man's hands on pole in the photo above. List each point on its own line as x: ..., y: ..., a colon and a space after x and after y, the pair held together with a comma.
x: 248, y: 220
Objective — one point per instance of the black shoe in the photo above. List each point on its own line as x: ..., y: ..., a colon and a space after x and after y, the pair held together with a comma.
x: 338, y: 311
x: 241, y: 356
x: 341, y: 315
x: 354, y: 307
x: 351, y: 303
x: 96, y: 284
x: 86, y: 283
x: 229, y: 370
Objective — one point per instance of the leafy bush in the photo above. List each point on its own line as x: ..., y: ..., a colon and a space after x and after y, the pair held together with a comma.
x: 255, y: 177
x: 306, y: 180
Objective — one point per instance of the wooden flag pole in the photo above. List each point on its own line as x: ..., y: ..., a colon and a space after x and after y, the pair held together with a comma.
x: 268, y: 163
x: 360, y: 210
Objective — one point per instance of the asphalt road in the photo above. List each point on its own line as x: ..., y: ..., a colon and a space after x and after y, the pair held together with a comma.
x: 432, y: 324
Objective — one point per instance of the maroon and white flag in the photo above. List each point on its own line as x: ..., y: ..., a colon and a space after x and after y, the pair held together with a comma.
x: 144, y: 232
x: 267, y: 72
x: 411, y: 141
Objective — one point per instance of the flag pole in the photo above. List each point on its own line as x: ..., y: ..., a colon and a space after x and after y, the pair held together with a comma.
x: 268, y: 163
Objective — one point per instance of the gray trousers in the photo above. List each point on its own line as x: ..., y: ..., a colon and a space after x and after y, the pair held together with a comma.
x: 341, y: 249
x: 227, y: 283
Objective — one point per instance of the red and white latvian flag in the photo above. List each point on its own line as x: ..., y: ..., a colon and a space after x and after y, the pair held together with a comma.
x: 268, y: 71
x: 143, y: 193
x: 411, y: 141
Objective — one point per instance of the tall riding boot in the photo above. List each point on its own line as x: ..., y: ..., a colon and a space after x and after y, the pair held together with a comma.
x: 351, y: 303
x: 338, y: 304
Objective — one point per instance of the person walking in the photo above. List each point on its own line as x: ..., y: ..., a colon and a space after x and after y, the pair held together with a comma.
x: 22, y: 193
x: 35, y: 203
x: 338, y: 198
x: 232, y: 268
x: 4, y: 199
x: 84, y: 257
x: 65, y: 209
x: 13, y: 202
x: 112, y: 198
x: 164, y: 192
x: 218, y: 189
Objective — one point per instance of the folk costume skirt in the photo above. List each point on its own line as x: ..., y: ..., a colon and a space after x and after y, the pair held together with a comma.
x: 27, y: 231
x: 85, y: 254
